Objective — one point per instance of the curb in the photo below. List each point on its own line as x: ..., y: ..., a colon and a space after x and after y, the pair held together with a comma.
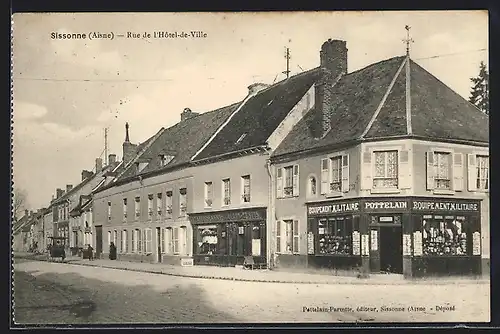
x: 236, y: 279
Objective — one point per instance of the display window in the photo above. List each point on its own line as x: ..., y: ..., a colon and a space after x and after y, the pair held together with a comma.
x: 207, y: 237
x: 446, y: 235
x: 335, y: 235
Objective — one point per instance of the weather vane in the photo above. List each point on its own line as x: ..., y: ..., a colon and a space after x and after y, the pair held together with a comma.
x: 408, y: 39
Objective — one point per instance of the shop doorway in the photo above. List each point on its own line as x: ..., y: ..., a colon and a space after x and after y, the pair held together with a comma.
x: 391, y: 249
x: 98, y: 242
x: 158, y: 244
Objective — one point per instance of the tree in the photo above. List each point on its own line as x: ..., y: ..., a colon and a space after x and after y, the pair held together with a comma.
x: 20, y: 203
x: 480, y: 91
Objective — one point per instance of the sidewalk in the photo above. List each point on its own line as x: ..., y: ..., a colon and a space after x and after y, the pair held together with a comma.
x: 270, y: 276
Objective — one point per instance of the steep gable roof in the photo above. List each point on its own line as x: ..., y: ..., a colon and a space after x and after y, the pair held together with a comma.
x: 260, y: 115
x: 181, y: 141
x: 373, y: 103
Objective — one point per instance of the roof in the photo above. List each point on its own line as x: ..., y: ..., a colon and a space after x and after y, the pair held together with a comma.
x: 360, y: 112
x: 181, y: 141
x: 258, y: 118
x: 25, y: 223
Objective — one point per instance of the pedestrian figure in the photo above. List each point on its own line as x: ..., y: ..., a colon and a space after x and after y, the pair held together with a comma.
x: 112, y: 251
x: 91, y: 253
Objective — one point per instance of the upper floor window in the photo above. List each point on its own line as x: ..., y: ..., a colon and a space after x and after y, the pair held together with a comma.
x: 150, y: 205
x: 137, y: 207
x: 245, y: 181
x: 208, y: 194
x: 385, y: 169
x: 287, y: 181
x: 335, y: 174
x: 124, y: 208
x: 226, y: 191
x: 168, y: 204
x: 442, y: 170
x: 159, y: 203
x: 483, y: 172
x: 109, y: 210
x: 182, y: 202
x: 312, y: 186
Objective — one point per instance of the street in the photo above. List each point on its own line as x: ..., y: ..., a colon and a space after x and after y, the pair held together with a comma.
x: 70, y: 294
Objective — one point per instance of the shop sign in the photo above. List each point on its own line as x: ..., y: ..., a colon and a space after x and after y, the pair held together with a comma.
x: 417, y: 243
x: 365, y: 246
x: 230, y: 216
x: 374, y: 240
x: 356, y: 244
x: 334, y: 208
x: 406, y: 244
x: 186, y: 262
x: 445, y: 206
x: 476, y: 243
x: 386, y: 205
x: 310, y: 243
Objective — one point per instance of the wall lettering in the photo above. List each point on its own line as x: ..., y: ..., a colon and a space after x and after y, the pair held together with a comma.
x: 448, y: 206
x: 334, y: 208
x: 386, y: 205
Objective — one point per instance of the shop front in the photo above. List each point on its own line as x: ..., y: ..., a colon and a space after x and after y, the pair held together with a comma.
x: 408, y: 235
x: 227, y: 238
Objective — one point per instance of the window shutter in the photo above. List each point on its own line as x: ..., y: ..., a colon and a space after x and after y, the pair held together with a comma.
x: 458, y: 172
x: 279, y: 183
x: 345, y: 173
x: 471, y: 172
x: 430, y: 169
x: 324, y: 176
x: 296, y: 180
x: 366, y: 181
x: 404, y: 170
x: 296, y: 236
x: 278, y: 236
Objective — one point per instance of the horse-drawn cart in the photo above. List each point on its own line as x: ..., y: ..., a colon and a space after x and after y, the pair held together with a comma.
x: 56, y: 248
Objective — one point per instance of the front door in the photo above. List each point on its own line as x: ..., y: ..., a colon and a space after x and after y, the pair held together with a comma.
x: 98, y: 241
x: 391, y: 249
x: 158, y: 244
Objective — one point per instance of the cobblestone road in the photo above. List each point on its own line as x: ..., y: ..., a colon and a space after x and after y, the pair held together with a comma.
x: 99, y: 295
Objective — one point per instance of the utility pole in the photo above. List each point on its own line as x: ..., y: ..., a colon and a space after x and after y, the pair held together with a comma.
x: 408, y: 40
x: 287, y: 57
x: 106, y: 146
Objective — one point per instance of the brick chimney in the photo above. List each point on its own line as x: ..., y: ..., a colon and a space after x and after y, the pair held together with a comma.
x: 26, y: 212
x: 111, y: 159
x: 333, y: 64
x: 187, y: 114
x: 59, y: 192
x: 98, y: 165
x: 69, y: 187
x: 129, y: 149
x: 86, y: 174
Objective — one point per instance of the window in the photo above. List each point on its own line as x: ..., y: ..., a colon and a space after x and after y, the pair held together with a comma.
x: 312, y: 186
x: 162, y: 241
x: 226, y: 191
x: 165, y: 159
x: 483, y: 172
x: 208, y: 194
x: 134, y: 240
x: 335, y: 236
x: 159, y: 204
x: 124, y: 242
x: 168, y: 204
x: 442, y: 170
x: 246, y: 188
x: 446, y: 236
x: 386, y: 169
x: 150, y: 205
x: 139, y: 240
x: 287, y: 181
x: 115, y: 237
x: 168, y: 240
x: 288, y: 236
x: 109, y: 210
x: 182, y: 202
x: 137, y: 207
x: 336, y: 174
x: 148, y: 237
x: 124, y: 208
x: 175, y: 240
x: 207, y: 240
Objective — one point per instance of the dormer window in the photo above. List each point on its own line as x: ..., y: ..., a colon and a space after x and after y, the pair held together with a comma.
x: 241, y: 138
x: 165, y: 159
x: 141, y: 166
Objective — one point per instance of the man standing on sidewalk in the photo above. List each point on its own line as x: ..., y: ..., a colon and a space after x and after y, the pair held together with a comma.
x: 90, y: 251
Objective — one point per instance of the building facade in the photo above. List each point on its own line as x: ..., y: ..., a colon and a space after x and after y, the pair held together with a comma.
x: 397, y: 184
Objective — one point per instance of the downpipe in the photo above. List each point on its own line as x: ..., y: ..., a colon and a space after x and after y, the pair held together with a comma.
x: 270, y: 219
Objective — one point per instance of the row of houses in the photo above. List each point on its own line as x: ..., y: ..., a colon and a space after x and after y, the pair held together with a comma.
x: 381, y: 169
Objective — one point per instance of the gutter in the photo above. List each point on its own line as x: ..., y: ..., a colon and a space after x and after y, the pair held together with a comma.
x: 271, y: 213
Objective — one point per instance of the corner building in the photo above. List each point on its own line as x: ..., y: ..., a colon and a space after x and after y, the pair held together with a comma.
x: 394, y: 175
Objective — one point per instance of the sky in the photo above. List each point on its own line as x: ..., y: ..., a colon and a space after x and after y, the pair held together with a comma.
x: 66, y: 92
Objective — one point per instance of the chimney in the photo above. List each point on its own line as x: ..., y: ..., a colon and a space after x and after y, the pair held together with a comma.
x: 111, y: 159
x: 69, y: 187
x: 256, y: 87
x: 129, y: 149
x: 333, y: 64
x: 26, y: 212
x: 187, y: 114
x: 31, y: 213
x: 59, y: 192
x: 98, y: 165
x: 86, y: 174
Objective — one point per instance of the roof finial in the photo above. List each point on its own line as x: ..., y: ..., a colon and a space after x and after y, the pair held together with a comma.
x: 408, y: 40
x: 126, y: 133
